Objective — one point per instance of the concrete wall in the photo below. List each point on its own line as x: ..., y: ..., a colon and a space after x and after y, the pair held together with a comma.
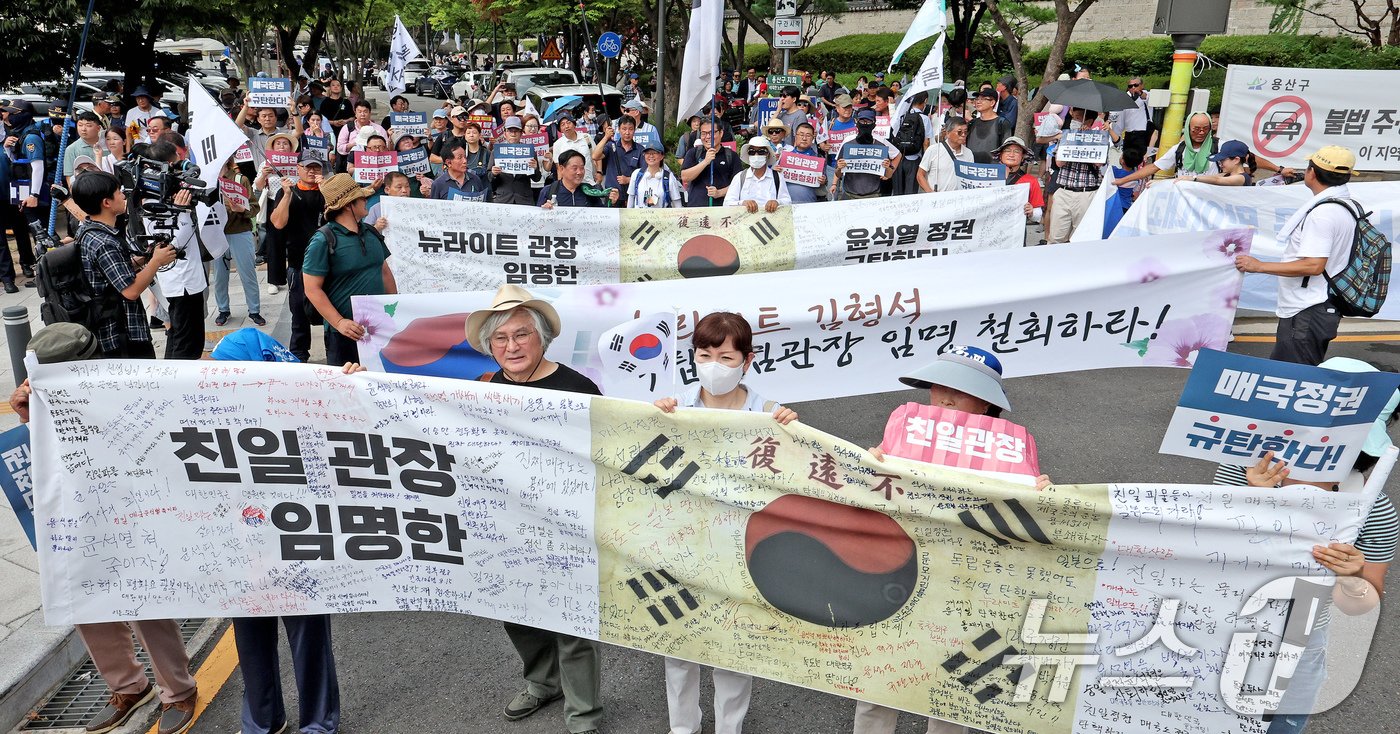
x: 1106, y: 19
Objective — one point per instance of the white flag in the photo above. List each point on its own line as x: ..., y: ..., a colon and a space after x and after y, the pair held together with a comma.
x: 211, y: 139
x: 700, y: 69
x: 929, y: 79
x: 458, y: 38
x: 932, y: 18
x: 401, y: 51
x: 639, y: 358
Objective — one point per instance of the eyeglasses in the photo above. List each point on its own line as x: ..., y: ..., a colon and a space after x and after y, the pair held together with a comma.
x: 519, y: 337
x: 1133, y: 86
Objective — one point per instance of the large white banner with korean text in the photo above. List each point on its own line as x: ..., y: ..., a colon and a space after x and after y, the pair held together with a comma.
x: 1194, y: 207
x: 252, y: 489
x: 442, y: 247
x: 1285, y: 115
x: 833, y: 332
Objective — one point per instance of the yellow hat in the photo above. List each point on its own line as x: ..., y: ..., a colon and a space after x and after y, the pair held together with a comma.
x: 340, y: 190
x: 1334, y: 159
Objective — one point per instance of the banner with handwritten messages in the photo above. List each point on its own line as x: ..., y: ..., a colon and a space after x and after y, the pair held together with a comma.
x: 1196, y: 207
x: 258, y: 489
x: 834, y: 332
x: 442, y: 246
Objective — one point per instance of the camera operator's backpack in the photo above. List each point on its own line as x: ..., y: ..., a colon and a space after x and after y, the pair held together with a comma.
x: 67, y: 295
x: 1360, y: 288
x: 909, y: 138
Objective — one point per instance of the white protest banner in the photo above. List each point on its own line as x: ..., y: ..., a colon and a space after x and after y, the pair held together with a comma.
x: 637, y: 357
x: 439, y: 247
x: 1083, y: 146
x: 836, y: 138
x: 1117, y: 303
x: 284, y: 163
x: 889, y: 581
x: 540, y: 142
x: 234, y: 193
x: 370, y: 167
x: 979, y: 175
x: 414, y: 162
x: 863, y: 158
x: 1193, y: 207
x: 801, y: 170
x: 412, y: 123
x: 266, y: 92
x: 1286, y: 114
x: 514, y: 159
x: 1235, y: 408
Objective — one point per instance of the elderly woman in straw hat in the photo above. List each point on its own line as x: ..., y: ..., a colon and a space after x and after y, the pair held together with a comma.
x: 346, y: 257
x: 516, y: 330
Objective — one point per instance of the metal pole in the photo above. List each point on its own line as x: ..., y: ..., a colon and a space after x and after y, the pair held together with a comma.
x: 17, y: 336
x: 787, y: 60
x: 1183, y: 62
x: 63, y: 139
x: 660, y: 102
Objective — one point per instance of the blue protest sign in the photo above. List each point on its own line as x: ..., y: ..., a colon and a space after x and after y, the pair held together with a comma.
x: 460, y: 195
x: 413, y: 123
x: 318, y: 146
x: 414, y: 162
x: 516, y: 158
x: 1235, y: 408
x: 767, y: 107
x: 266, y: 92
x: 861, y: 158
x: 19, y: 489
x: 609, y: 45
x: 642, y: 138
x: 979, y: 175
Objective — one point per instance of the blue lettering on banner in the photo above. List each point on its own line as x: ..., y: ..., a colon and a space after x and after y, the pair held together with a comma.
x: 266, y: 92
x: 16, y: 479
x: 414, y: 162
x: 979, y: 175
x: 642, y: 138
x: 1283, y: 392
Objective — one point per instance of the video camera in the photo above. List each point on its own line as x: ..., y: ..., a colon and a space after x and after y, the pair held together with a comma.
x: 146, y: 179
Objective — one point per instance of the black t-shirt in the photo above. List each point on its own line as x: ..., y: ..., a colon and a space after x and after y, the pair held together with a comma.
x: 336, y: 109
x: 442, y: 142
x: 563, y: 379
x: 303, y: 219
x: 725, y: 165
x: 985, y: 136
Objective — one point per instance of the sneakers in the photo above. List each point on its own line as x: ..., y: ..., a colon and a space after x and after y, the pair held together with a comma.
x: 176, y: 718
x: 10, y: 287
x: 526, y: 703
x: 272, y: 290
x: 27, y: 270
x: 119, y: 708
x: 222, y: 318
x: 257, y: 319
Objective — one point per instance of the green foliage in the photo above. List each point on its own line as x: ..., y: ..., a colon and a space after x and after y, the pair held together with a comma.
x: 756, y: 55
x: 861, y: 51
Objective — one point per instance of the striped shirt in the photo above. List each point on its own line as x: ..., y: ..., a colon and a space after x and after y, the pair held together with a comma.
x: 1379, y: 533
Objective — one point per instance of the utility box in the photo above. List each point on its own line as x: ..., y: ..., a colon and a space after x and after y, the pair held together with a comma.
x: 1206, y: 17
x: 1161, y: 98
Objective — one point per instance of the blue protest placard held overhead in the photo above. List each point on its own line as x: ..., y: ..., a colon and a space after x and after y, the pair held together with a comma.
x: 1235, y: 408
x: 609, y: 45
x: 414, y: 162
x: 265, y: 92
x: 15, y: 477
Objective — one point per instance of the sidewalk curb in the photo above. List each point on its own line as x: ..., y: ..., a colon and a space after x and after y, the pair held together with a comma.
x: 44, y: 660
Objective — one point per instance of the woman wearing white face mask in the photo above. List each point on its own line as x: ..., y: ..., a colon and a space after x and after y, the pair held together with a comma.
x: 723, y: 353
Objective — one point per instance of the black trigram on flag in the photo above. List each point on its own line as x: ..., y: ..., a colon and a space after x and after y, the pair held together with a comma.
x: 666, y: 461
x: 645, y: 235
x: 668, y: 602
x: 1025, y: 529
x: 208, y: 150
x: 973, y: 677
x: 616, y: 343
x: 764, y: 230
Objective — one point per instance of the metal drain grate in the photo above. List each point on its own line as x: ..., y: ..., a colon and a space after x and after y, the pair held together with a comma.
x: 79, y: 699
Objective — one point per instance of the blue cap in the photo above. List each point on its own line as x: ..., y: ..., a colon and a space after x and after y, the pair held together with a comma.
x: 1230, y: 149
x: 970, y: 370
x: 634, y: 75
x: 251, y: 345
x: 439, y: 114
x: 866, y: 114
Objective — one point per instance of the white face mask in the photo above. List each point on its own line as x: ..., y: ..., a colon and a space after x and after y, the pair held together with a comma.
x: 758, y: 161
x: 717, y: 378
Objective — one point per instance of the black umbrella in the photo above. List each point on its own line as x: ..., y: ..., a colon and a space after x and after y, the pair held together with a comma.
x: 1088, y: 94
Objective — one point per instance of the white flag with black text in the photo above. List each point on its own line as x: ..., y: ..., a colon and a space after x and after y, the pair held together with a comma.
x: 401, y: 51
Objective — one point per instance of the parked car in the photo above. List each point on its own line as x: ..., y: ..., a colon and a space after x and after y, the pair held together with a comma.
x: 411, y: 71
x: 536, y: 76
x: 437, y: 83
x: 472, y: 85
x: 542, y: 96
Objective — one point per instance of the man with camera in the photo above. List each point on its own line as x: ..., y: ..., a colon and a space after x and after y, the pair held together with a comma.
x: 111, y: 270
x: 183, y: 283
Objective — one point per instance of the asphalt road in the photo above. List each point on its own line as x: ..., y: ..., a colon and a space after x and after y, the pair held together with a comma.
x: 420, y: 672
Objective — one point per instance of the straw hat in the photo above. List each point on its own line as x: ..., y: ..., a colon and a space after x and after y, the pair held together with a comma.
x: 289, y: 138
x: 341, y: 190
x: 509, y: 297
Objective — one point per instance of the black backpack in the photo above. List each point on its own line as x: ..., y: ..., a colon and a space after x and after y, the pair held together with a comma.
x: 909, y: 138
x: 312, y: 315
x: 67, y: 295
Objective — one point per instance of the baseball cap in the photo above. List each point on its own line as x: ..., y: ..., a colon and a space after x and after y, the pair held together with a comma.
x: 652, y: 143
x: 564, y: 116
x: 634, y: 75
x: 250, y: 345
x: 513, y: 122
x: 63, y: 342
x: 879, y: 75
x: 83, y: 160
x: 439, y: 114
x: 458, y: 111
x: 309, y: 158
x: 971, y: 370
x: 866, y: 114
x: 633, y: 104
x: 1230, y: 149
x: 985, y: 93
x: 1378, y: 440
x: 1334, y: 159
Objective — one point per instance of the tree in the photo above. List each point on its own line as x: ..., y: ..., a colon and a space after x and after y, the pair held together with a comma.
x: 755, y: 12
x: 1377, y: 22
x: 962, y: 34
x: 1016, y: 19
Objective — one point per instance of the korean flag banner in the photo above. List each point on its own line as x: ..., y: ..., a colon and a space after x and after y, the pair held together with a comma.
x: 639, y: 358
x: 1235, y: 408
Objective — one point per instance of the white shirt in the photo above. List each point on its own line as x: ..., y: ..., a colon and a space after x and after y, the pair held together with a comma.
x: 1134, y: 119
x: 1166, y: 160
x: 756, y: 189
x: 581, y: 143
x: 185, y: 276
x: 646, y: 185
x: 138, y: 115
x: 938, y: 166
x: 1326, y: 231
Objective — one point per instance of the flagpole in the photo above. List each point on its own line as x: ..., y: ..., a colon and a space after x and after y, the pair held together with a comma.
x: 72, y: 101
